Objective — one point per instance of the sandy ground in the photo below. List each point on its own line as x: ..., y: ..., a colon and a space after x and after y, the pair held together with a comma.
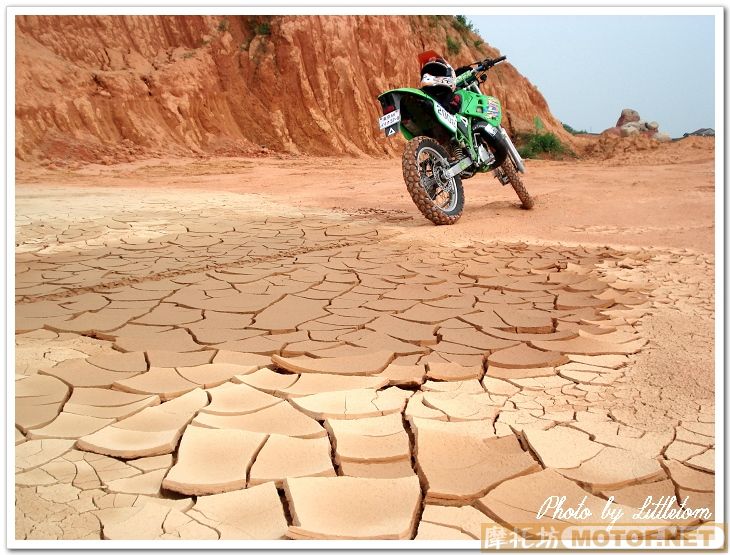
x: 667, y: 202
x: 645, y: 228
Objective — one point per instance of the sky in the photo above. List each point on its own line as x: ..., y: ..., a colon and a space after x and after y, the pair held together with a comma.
x: 589, y: 68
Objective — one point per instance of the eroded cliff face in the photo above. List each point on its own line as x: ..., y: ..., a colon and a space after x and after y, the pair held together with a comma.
x: 115, y: 88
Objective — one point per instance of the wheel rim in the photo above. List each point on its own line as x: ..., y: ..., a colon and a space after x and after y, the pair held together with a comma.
x: 442, y: 192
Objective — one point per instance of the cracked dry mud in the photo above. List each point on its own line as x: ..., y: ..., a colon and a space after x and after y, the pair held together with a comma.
x: 200, y: 366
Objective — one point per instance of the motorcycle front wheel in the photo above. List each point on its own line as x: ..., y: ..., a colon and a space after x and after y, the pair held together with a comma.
x: 440, y: 199
x: 510, y: 171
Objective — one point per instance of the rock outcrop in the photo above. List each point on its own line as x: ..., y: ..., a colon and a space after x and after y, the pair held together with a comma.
x: 630, y: 124
x: 627, y: 116
x: 116, y: 88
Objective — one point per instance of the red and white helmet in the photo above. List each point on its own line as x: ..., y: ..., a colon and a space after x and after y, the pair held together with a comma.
x: 436, y: 71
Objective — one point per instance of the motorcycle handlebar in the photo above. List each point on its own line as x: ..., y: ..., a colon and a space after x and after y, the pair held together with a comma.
x: 488, y: 63
x: 468, y: 75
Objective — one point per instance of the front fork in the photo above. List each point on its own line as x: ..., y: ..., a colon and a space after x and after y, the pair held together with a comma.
x: 512, y: 152
x: 483, y: 156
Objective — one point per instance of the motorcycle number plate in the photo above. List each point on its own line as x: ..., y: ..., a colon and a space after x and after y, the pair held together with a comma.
x: 389, y: 119
x: 447, y: 118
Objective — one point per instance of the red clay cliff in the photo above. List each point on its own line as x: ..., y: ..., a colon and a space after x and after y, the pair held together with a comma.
x: 117, y: 88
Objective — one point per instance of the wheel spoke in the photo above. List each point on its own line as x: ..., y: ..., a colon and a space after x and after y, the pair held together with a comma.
x: 425, y: 172
x: 431, y: 165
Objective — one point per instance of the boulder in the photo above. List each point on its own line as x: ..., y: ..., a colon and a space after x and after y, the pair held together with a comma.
x: 630, y: 124
x: 627, y: 115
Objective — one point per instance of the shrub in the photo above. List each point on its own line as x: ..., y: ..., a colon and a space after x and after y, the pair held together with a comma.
x: 535, y: 144
x: 223, y: 25
x: 572, y: 131
x: 452, y: 46
x: 256, y: 25
x: 461, y: 22
x: 262, y: 29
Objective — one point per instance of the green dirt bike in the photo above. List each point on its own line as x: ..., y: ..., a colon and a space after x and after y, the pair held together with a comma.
x: 444, y: 148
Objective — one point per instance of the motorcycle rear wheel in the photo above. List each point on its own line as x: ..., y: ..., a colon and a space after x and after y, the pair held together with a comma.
x: 423, y: 161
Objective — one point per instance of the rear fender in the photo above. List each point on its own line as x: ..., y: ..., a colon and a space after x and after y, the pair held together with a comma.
x: 414, y: 120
